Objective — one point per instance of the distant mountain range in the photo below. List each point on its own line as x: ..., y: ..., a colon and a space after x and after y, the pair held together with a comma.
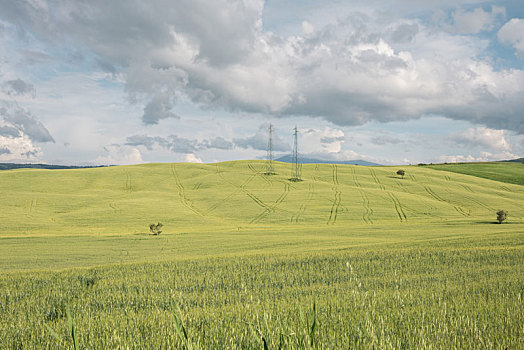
x: 519, y: 160
x: 9, y: 166
x: 289, y: 159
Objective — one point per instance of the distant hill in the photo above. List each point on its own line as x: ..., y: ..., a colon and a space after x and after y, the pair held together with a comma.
x: 9, y: 166
x: 289, y: 159
x: 519, y: 160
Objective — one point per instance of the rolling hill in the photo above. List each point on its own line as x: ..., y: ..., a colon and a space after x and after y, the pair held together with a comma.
x: 234, y: 195
x: 510, y: 172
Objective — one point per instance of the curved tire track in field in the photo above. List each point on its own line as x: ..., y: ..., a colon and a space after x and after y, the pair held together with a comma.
x: 219, y: 171
x: 270, y: 209
x: 333, y: 214
x: 238, y: 189
x: 302, y: 209
x: 181, y: 193
x: 398, y: 207
x: 252, y: 168
x: 440, y: 199
x: 128, y: 186
x: 334, y: 209
x: 366, y: 216
x: 374, y: 176
x: 467, y: 188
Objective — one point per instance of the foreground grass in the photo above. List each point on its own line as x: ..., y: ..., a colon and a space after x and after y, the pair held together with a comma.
x: 464, y: 292
x: 512, y: 173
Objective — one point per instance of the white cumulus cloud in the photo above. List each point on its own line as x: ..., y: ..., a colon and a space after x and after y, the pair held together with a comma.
x: 512, y: 33
x: 482, y: 137
x: 119, y: 155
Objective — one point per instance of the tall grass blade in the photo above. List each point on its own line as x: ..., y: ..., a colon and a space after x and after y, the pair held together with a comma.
x: 72, y: 329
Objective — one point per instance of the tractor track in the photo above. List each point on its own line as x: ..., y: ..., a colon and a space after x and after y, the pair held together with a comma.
x: 440, y: 199
x: 181, y: 193
x: 302, y: 209
x: 398, y: 207
x: 334, y: 209
x: 238, y: 189
x: 270, y: 209
x: 366, y: 216
x: 374, y: 176
x: 128, y: 187
x: 467, y: 188
x: 333, y: 214
x: 252, y: 168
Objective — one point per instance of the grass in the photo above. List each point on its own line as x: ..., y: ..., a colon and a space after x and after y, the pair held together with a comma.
x: 351, y: 257
x: 512, y: 173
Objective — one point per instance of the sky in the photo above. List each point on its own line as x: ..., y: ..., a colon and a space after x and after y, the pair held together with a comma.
x: 393, y: 82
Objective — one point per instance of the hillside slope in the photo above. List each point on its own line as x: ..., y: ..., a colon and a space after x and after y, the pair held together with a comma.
x: 510, y: 172
x: 125, y: 199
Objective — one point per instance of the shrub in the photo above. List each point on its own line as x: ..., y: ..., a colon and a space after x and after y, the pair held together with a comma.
x: 501, y: 216
x: 156, y: 229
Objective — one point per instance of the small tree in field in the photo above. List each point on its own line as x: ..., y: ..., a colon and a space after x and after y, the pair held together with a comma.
x: 401, y: 173
x: 156, y: 229
x: 501, y: 216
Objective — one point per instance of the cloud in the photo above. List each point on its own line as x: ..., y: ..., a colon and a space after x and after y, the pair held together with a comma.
x: 191, y: 158
x: 483, y: 157
x: 178, y: 144
x: 158, y: 108
x: 18, y: 149
x: 19, y: 87
x: 22, y: 120
x: 512, y: 33
x: 385, y: 140
x: 405, y: 32
x: 217, y: 143
x: 326, y: 140
x: 358, y: 69
x: 482, y: 137
x: 260, y: 140
x: 119, y: 155
x: 472, y: 22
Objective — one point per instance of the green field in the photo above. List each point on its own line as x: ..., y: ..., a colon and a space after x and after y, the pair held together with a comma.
x: 499, y: 171
x: 388, y: 262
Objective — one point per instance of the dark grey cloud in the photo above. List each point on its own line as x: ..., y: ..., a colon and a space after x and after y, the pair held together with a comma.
x: 385, y: 140
x: 178, y: 144
x: 9, y: 131
x: 331, y: 139
x: 4, y: 150
x: 19, y: 87
x: 405, y: 33
x: 23, y: 121
x: 146, y: 141
x: 218, y: 143
x: 158, y: 108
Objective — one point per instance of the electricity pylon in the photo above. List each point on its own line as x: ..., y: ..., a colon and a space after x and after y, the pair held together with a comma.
x: 296, y: 173
x: 269, y: 164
